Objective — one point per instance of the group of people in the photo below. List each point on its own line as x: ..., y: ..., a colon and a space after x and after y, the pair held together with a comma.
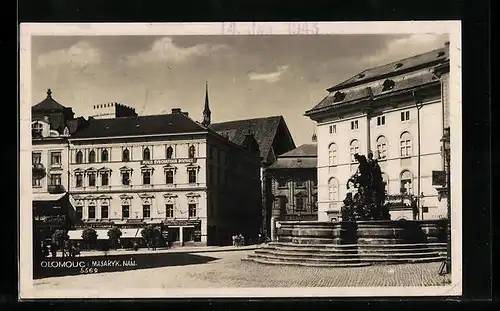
x: 238, y: 240
x: 69, y: 250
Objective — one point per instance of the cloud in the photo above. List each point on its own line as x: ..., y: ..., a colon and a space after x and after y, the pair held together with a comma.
x: 80, y: 54
x: 165, y: 50
x: 406, y: 47
x: 269, y: 77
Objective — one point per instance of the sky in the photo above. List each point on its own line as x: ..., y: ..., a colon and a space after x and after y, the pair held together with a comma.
x: 247, y: 76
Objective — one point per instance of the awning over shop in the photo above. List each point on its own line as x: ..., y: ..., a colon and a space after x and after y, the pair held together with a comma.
x: 47, y: 196
x: 77, y: 234
x: 130, y: 233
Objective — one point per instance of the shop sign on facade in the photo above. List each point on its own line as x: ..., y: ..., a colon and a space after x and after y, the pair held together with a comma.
x: 182, y: 222
x: 168, y: 161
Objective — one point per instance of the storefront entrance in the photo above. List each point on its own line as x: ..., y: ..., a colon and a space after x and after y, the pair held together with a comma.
x: 182, y: 232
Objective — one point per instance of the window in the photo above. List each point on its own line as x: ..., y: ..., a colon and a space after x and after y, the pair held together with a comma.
x: 299, y: 203
x: 332, y: 154
x: 282, y: 183
x: 36, y: 182
x: 146, y: 154
x: 126, y: 155
x: 338, y: 97
x: 406, y: 182
x: 125, y: 211
x: 104, y: 178
x: 104, y: 212
x: 353, y: 149
x: 79, y: 212
x: 79, y: 157
x: 192, y: 176
x: 146, y: 178
x: 125, y: 178
x: 79, y: 180
x: 55, y: 179
x: 36, y: 157
x: 91, y: 179
x: 405, y: 144
x: 104, y: 156
x: 405, y: 115
x: 192, y: 210
x: 354, y: 125
x: 170, y: 152
x: 333, y: 189
x: 55, y: 158
x: 382, y: 147
x: 169, y: 208
x: 333, y: 129
x: 169, y: 177
x: 192, y: 152
x: 380, y: 120
x: 91, y: 212
x: 388, y: 85
x: 146, y: 211
x: 36, y: 130
x: 92, y: 156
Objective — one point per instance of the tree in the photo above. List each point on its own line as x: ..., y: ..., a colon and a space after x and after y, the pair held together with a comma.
x: 114, y: 235
x: 59, y: 237
x: 89, y: 236
x: 150, y: 233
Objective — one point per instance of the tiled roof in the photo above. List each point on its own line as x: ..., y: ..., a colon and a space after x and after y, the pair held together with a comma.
x: 263, y: 129
x: 295, y: 163
x: 48, y: 104
x: 397, y: 67
x: 305, y: 150
x: 142, y: 125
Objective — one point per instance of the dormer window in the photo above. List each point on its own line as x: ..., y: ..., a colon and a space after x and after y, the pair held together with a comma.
x: 338, y: 97
x: 398, y: 65
x: 37, y: 130
x: 388, y: 85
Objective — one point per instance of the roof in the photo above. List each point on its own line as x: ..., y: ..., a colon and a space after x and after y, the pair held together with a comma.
x: 263, y: 129
x: 305, y: 150
x: 48, y: 104
x: 294, y: 163
x: 139, y: 125
x: 396, y: 68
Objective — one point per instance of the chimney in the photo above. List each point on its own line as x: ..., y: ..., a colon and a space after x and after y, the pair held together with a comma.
x: 176, y: 110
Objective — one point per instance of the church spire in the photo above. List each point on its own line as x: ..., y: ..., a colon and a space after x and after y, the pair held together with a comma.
x: 314, y: 137
x: 206, y: 111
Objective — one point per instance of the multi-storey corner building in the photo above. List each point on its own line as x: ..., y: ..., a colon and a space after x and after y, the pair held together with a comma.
x: 166, y: 170
x: 51, y: 126
x: 399, y: 112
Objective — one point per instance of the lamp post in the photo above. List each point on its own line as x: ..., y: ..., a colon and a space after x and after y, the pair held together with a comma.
x: 446, y: 153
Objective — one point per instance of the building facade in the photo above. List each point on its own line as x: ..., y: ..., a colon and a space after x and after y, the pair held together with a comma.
x: 397, y: 112
x: 293, y: 180
x: 167, y: 171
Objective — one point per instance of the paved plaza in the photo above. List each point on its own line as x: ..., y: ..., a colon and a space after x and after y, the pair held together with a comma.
x: 226, y: 269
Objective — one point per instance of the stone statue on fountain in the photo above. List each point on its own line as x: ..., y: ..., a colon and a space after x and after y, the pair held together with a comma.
x: 365, y: 192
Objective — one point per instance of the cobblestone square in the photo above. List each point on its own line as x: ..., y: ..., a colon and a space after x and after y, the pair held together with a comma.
x: 228, y: 270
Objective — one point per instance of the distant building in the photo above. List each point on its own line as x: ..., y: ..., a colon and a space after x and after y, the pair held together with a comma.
x: 399, y: 112
x: 273, y: 137
x: 294, y: 184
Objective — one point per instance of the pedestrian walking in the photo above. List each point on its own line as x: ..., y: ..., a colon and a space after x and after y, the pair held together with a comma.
x: 53, y: 250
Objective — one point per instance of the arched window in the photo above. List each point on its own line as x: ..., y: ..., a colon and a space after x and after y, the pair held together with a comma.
x: 382, y: 147
x: 385, y: 179
x: 92, y: 156
x: 79, y: 157
x: 406, y: 182
x: 332, y: 154
x: 192, y: 151
x: 170, y: 152
x: 126, y: 155
x: 353, y: 149
x: 104, y: 156
x: 333, y: 189
x: 36, y: 130
x: 146, y: 154
x: 405, y: 144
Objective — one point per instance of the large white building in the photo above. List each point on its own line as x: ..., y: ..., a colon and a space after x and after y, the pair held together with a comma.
x: 398, y: 112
